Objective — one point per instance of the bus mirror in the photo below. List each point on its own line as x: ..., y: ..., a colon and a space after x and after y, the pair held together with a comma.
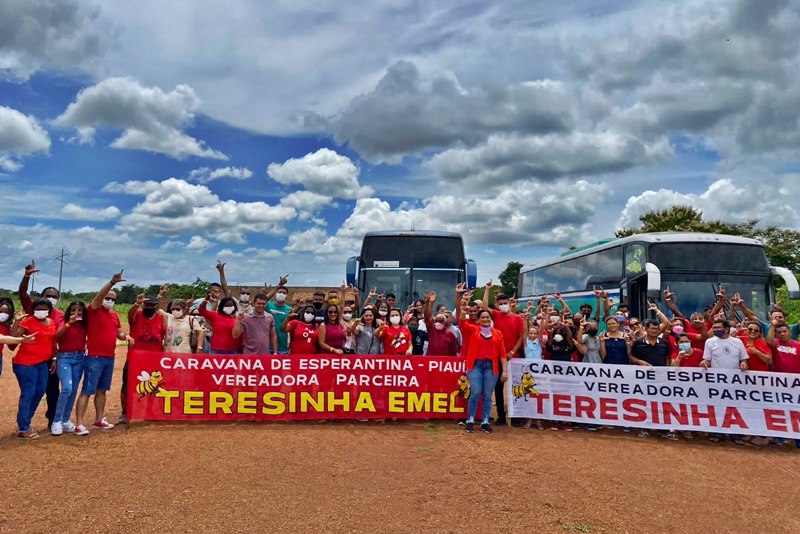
x: 653, y: 281
x: 472, y: 274
x: 350, y: 273
x: 789, y: 278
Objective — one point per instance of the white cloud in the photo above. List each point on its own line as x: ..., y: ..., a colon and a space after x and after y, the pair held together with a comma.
x: 20, y: 135
x: 151, y: 119
x: 205, y: 175
x: 73, y: 211
x: 24, y: 245
x: 175, y: 207
x: 198, y: 243
x: 323, y: 172
x: 306, y: 203
x: 9, y: 165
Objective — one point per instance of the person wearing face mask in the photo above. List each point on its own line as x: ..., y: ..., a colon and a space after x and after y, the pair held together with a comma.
x: 301, y: 324
x: 31, y: 362
x: 395, y: 336
x: 419, y: 337
x: 257, y: 329
x: 222, y: 321
x: 183, y: 330
x: 332, y: 333
x: 279, y: 310
x: 486, y: 361
x: 723, y: 351
x: 560, y: 346
x: 348, y: 323
x: 52, y: 295
x: 103, y: 329
x: 6, y: 320
x: 318, y: 302
x: 441, y: 340
x: 71, y: 360
x: 383, y: 311
x: 588, y: 343
x: 363, y: 330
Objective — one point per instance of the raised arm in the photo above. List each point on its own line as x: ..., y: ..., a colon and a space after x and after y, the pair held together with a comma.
x: 671, y: 304
x: 665, y: 326
x: 97, y: 301
x: 24, y: 298
x: 486, y: 293
x: 770, y: 339
x: 223, y: 281
x: 133, y: 309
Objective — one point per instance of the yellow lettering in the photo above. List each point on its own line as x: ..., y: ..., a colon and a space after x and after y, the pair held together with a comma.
x: 219, y: 400
x: 344, y: 402
x: 193, y: 402
x: 364, y: 402
x: 168, y: 396
x: 419, y: 402
x: 397, y: 401
x: 247, y: 402
x: 273, y: 403
x: 440, y: 403
x: 318, y: 402
x: 453, y: 408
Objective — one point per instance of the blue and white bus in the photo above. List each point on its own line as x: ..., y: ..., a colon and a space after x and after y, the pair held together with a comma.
x: 410, y: 263
x: 635, y: 268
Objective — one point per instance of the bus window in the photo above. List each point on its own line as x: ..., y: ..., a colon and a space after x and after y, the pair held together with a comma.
x: 635, y: 258
x: 443, y: 281
x: 388, y: 281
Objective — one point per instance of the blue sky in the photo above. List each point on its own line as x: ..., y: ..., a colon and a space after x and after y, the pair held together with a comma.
x: 159, y: 138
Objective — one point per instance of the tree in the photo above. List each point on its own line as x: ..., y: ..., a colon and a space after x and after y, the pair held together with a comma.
x: 509, y: 278
x: 782, y: 246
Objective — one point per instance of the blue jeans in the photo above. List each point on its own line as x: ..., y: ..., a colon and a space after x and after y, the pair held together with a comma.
x: 98, y: 373
x: 482, y: 380
x: 70, y: 372
x: 32, y: 385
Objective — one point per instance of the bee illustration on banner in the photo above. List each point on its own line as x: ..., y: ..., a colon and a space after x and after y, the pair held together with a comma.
x: 463, y: 387
x: 149, y: 384
x: 524, y: 388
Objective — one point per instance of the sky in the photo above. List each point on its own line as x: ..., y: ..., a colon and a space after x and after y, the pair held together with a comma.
x: 160, y: 137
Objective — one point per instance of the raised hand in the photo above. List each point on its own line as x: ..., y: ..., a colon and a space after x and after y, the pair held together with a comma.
x: 668, y: 294
x: 283, y: 280
x: 74, y: 317
x: 140, y: 298
x: 461, y: 288
x: 31, y: 268
x: 736, y: 300
x: 163, y: 290
x: 19, y: 315
x: 489, y: 285
x: 220, y: 266
x: 652, y: 306
x: 373, y: 292
x: 117, y: 278
x: 29, y: 338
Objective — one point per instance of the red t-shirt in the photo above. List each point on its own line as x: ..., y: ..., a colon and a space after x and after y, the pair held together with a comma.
x: 786, y: 356
x: 396, y: 340
x: 148, y: 334
x: 493, y: 349
x: 693, y: 360
x: 304, y: 337
x: 222, y: 328
x: 42, y: 348
x: 101, y: 335
x: 6, y: 331
x: 74, y: 339
x: 754, y: 363
x: 441, y: 342
x: 466, y: 336
x: 512, y: 327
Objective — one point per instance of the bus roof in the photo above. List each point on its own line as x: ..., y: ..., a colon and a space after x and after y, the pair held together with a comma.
x: 655, y: 237
x: 412, y: 233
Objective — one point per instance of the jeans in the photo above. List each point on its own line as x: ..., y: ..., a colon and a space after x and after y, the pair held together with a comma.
x: 70, y: 372
x: 32, y: 385
x: 99, y: 371
x: 482, y: 380
x: 52, y: 393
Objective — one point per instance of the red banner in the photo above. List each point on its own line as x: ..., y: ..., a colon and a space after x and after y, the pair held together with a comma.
x: 200, y: 387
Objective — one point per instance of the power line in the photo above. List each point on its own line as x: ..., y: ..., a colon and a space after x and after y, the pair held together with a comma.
x: 61, y: 268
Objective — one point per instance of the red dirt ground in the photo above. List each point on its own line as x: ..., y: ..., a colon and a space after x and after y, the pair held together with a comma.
x: 373, y: 477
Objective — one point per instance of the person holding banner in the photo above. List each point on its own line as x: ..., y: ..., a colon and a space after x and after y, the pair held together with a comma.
x: 396, y: 337
x: 486, y: 361
x: 441, y: 340
x: 332, y: 334
x: 785, y: 353
x: 223, y: 341
x: 303, y: 330
x: 257, y: 329
x: 724, y: 351
x: 614, y: 344
x: 363, y: 331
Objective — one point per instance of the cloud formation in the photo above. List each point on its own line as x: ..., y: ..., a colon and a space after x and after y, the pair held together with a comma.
x: 323, y: 172
x: 151, y: 119
x: 73, y: 211
x: 20, y: 135
x: 205, y: 175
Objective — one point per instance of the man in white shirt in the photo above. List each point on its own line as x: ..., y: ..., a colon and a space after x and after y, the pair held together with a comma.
x: 723, y: 351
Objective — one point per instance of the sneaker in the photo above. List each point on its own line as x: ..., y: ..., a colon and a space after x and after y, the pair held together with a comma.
x: 123, y: 419
x: 81, y: 430
x: 626, y: 429
x: 527, y: 424
x: 568, y: 427
x: 501, y: 422
x: 592, y: 428
x: 672, y: 436
x: 103, y: 424
x: 644, y: 434
x: 486, y: 428
x: 462, y: 422
x: 539, y: 425
x: 56, y: 428
x: 470, y: 427
x: 30, y: 434
x: 68, y: 426
x: 555, y: 427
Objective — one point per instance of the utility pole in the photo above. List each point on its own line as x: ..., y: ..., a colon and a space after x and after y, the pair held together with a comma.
x: 61, y: 269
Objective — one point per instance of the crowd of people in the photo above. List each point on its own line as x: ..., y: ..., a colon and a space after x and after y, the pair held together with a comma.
x: 59, y: 352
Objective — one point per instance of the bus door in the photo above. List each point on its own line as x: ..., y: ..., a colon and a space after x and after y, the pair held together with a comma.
x: 637, y: 297
x: 389, y: 280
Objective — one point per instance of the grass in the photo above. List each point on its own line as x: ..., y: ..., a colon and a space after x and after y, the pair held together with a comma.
x: 419, y: 450
x: 576, y: 527
x: 434, y: 430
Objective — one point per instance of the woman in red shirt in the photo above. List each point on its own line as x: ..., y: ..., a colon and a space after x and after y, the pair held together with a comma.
x: 6, y: 319
x: 757, y: 348
x: 222, y: 321
x: 395, y: 336
x: 303, y: 330
x: 332, y: 334
x: 31, y: 363
x: 69, y: 367
x: 485, y: 359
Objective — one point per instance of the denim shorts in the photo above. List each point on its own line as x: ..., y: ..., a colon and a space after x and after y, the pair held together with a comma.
x: 98, y: 371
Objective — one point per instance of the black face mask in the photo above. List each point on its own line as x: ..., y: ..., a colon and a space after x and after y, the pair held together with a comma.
x: 148, y: 312
x: 592, y: 331
x: 318, y: 305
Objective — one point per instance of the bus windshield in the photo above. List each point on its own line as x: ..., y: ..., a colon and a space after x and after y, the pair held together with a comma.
x: 443, y: 281
x: 693, y: 292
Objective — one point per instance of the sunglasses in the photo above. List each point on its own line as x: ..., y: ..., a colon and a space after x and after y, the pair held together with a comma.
x: 333, y: 313
x: 112, y: 300
x: 754, y: 330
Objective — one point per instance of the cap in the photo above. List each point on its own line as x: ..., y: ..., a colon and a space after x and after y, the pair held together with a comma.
x: 151, y: 300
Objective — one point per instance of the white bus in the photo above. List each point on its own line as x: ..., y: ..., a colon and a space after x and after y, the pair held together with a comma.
x: 635, y: 268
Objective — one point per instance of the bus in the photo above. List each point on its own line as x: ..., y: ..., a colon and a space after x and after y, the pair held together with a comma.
x: 636, y: 268
x: 409, y: 263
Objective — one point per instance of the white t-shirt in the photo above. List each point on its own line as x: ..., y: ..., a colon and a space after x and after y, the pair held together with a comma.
x: 725, y: 353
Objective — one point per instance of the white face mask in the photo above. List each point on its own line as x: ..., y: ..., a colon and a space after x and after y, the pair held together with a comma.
x: 41, y: 314
x: 438, y: 326
x: 177, y: 313
x: 4, y: 317
x: 229, y: 309
x: 466, y: 317
x: 53, y: 301
x: 108, y: 304
x: 308, y: 317
x: 280, y: 297
x: 383, y: 313
x: 395, y: 320
x: 244, y: 297
x: 503, y: 308
x: 558, y: 338
x: 347, y: 316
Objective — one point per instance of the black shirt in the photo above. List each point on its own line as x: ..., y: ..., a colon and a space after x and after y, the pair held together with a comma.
x: 418, y: 340
x: 656, y: 354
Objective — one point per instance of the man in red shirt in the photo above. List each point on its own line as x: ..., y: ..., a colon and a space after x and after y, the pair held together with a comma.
x: 103, y: 331
x: 148, y: 328
x: 513, y: 329
x: 51, y: 294
x: 785, y: 353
